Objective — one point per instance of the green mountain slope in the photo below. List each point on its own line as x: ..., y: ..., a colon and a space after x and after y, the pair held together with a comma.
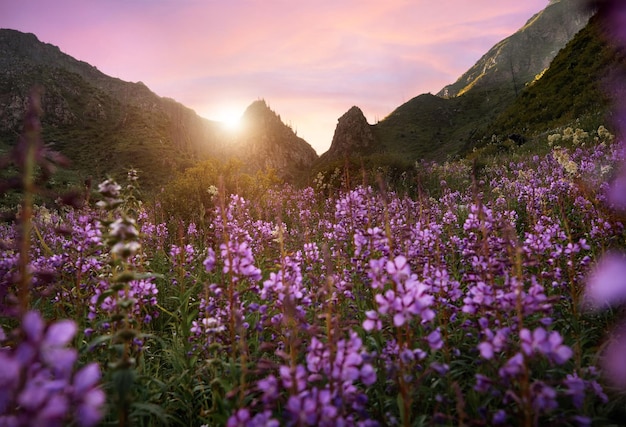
x: 430, y: 127
x: 577, y: 86
x: 518, y: 58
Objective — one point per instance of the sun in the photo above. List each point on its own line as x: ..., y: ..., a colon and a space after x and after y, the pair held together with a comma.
x: 230, y: 119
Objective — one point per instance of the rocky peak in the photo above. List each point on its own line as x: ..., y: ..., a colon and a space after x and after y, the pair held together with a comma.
x: 352, y: 135
x: 259, y: 116
x: 266, y: 142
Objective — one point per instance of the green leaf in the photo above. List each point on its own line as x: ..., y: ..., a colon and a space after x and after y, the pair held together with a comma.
x: 109, y: 292
x: 143, y: 409
x: 101, y: 339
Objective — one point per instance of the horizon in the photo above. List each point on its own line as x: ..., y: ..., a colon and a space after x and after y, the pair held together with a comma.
x: 310, y: 64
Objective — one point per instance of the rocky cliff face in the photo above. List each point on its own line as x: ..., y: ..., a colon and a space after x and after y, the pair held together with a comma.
x: 518, y: 59
x: 266, y: 142
x: 353, y: 135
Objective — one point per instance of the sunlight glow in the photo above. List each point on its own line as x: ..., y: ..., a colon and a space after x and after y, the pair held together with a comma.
x: 230, y: 119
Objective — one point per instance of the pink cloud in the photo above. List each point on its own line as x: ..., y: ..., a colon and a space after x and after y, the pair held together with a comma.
x: 310, y: 60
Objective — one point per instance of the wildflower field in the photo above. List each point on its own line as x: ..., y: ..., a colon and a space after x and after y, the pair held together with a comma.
x: 472, y: 296
x: 497, y: 302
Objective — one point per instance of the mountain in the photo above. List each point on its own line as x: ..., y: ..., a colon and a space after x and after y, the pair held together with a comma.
x: 105, y: 125
x: 436, y: 127
x: 518, y: 58
x: 352, y: 134
x: 577, y: 87
x: 266, y: 142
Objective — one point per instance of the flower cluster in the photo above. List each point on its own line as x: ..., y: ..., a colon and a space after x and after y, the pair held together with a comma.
x: 325, y: 391
x: 38, y: 382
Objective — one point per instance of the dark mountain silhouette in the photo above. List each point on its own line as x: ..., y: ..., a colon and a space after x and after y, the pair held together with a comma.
x: 106, y: 125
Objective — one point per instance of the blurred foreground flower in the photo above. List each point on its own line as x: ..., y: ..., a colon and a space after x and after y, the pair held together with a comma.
x: 607, y: 283
x: 37, y: 386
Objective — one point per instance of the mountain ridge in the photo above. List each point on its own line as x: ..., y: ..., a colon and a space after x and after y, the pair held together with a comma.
x: 438, y: 127
x: 166, y: 137
x: 93, y: 117
x: 524, y: 54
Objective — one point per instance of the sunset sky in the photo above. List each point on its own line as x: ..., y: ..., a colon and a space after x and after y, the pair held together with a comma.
x: 310, y: 60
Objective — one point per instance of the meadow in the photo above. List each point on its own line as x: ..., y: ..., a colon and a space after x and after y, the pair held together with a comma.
x: 477, y: 292
x: 490, y: 296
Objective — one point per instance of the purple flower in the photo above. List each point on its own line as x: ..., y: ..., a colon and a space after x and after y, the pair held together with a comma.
x: 434, y: 340
x: 109, y: 188
x: 377, y: 272
x: 372, y: 322
x: 57, y: 336
x: 440, y: 368
x: 398, y: 269
x: 239, y: 260
x: 549, y: 344
x: 483, y: 383
x: 295, y: 378
x: 368, y: 374
x: 495, y: 342
x: 499, y: 417
x: 512, y: 367
x: 269, y: 387
x: 209, y: 261
x: 239, y: 418
x: 544, y: 397
x: 410, y: 299
x: 607, y: 283
x: 33, y: 326
x: 36, y: 381
x: 90, y: 408
x: 303, y: 409
x: 486, y: 350
x: 576, y: 389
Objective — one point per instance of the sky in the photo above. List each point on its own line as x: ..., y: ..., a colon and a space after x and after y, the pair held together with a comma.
x: 309, y: 60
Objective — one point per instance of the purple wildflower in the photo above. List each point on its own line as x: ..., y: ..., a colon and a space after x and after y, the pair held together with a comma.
x: 36, y: 382
x: 544, y: 397
x: 499, y: 417
x: 372, y: 322
x: 549, y: 344
x: 607, y: 284
x: 576, y: 389
x: 512, y: 367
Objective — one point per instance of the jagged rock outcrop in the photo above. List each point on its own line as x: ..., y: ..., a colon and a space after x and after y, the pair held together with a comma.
x: 267, y: 143
x: 519, y: 58
x: 353, y: 135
